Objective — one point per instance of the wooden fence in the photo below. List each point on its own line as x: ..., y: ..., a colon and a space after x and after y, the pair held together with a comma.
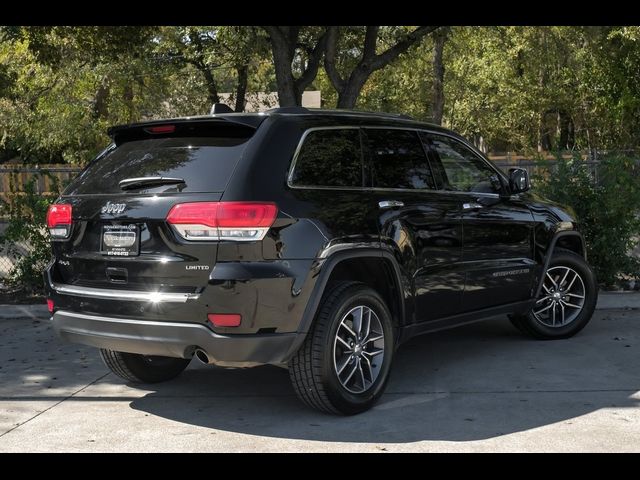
x: 13, y: 178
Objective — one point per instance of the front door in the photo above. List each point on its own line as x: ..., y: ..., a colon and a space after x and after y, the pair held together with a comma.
x: 497, y: 229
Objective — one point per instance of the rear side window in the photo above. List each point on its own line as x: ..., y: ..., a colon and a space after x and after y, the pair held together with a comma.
x: 329, y: 158
x: 205, y: 164
x: 398, y: 160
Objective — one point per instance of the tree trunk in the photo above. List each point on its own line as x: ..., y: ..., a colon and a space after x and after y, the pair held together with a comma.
x: 437, y: 102
x: 348, y: 96
x: 100, y: 101
x: 284, y: 42
x: 241, y: 87
x: 349, y: 89
x: 282, y: 59
x: 212, y: 87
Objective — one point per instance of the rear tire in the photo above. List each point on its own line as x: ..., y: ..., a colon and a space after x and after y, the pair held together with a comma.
x: 343, y: 365
x: 137, y: 368
x: 555, y: 314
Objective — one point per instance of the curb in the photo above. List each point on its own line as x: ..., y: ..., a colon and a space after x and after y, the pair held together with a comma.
x: 606, y: 301
x: 618, y: 300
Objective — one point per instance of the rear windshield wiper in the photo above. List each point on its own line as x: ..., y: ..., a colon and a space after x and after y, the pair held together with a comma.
x: 139, y: 182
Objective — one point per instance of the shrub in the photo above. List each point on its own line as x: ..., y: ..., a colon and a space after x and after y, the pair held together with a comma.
x: 26, y: 213
x: 606, y: 199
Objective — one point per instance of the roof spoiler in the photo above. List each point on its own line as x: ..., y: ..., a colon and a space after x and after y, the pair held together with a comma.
x: 241, y: 125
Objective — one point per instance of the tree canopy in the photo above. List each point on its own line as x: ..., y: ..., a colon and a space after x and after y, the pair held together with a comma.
x: 520, y: 89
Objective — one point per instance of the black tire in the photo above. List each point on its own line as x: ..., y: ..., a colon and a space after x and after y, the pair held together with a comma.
x: 312, y: 370
x: 530, y: 325
x: 138, y: 368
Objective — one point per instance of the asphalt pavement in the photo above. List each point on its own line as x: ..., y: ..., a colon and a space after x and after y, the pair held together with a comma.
x: 483, y: 387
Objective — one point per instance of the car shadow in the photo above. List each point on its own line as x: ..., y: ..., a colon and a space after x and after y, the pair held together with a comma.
x: 472, y: 383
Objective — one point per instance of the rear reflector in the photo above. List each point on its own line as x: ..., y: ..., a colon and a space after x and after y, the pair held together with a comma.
x: 59, y: 220
x: 161, y: 129
x: 50, y: 305
x: 233, y: 221
x: 225, y: 319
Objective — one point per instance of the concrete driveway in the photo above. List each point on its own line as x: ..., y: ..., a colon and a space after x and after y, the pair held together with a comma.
x: 483, y: 387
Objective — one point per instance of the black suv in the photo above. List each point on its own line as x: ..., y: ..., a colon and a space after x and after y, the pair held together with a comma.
x: 314, y: 238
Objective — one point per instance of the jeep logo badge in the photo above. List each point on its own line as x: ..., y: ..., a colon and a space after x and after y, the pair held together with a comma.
x: 114, y: 208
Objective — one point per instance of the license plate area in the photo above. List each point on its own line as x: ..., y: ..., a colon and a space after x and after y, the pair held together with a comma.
x: 120, y: 240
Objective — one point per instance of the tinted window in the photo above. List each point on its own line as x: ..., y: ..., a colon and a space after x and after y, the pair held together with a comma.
x: 330, y: 158
x: 398, y: 160
x: 461, y: 169
x: 205, y: 164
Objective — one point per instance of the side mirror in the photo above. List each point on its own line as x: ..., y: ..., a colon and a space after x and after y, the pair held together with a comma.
x: 519, y: 180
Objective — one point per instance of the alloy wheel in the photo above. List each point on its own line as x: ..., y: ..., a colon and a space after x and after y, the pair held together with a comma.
x: 358, y: 349
x: 561, y: 299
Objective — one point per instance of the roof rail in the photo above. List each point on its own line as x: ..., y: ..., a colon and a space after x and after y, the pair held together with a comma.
x: 288, y: 110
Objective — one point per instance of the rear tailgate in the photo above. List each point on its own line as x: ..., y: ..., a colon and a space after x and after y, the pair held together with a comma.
x: 120, y: 238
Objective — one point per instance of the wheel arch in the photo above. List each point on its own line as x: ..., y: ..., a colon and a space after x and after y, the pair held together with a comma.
x: 372, y: 267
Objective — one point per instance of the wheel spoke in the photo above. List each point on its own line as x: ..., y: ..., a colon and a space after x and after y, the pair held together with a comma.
x: 537, y: 312
x: 345, y: 362
x: 353, y: 370
x: 368, y: 364
x: 574, y: 295
x: 546, y: 289
x: 351, y: 332
x: 567, y: 304
x: 562, y: 313
x: 364, y: 387
x: 343, y: 342
x: 563, y: 278
x: 542, y: 299
x: 373, y: 339
x: 572, y: 281
x: 367, y: 324
x: 375, y: 353
x: 357, y: 321
x: 554, y: 312
x: 552, y: 280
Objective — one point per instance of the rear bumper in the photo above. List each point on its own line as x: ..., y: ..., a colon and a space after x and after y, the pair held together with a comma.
x: 173, y: 339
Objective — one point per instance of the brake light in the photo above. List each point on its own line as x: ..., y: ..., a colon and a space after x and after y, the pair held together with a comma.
x: 161, y: 129
x: 234, y: 221
x: 50, y: 305
x: 59, y: 220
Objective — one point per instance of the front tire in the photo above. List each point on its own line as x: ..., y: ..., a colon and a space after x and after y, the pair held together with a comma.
x: 566, y: 302
x: 137, y: 368
x: 343, y: 365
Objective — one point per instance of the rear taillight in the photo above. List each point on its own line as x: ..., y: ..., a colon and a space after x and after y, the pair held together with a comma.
x: 59, y: 220
x: 235, y: 221
x: 50, y: 305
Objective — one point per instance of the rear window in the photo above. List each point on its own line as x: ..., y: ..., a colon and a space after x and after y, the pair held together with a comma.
x: 205, y: 164
x: 329, y: 158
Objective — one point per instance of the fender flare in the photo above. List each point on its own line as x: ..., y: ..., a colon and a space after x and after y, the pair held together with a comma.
x: 326, y: 268
x: 549, y: 254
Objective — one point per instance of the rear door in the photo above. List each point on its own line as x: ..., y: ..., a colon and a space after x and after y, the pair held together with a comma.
x: 120, y: 239
x: 421, y: 226
x: 497, y: 230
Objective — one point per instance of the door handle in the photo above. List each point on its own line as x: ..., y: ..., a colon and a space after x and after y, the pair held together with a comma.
x: 472, y: 206
x: 390, y: 204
